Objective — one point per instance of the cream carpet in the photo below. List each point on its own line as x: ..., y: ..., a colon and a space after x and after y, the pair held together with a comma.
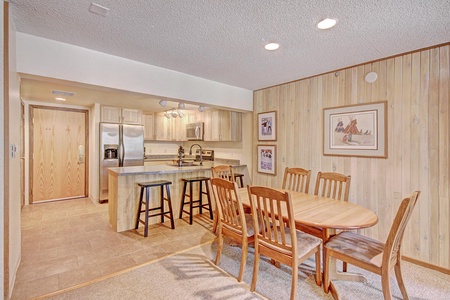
x: 193, y: 275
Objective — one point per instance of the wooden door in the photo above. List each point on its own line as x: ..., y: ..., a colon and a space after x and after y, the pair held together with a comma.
x: 58, y: 154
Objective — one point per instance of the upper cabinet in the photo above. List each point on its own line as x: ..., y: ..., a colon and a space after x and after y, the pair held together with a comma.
x: 113, y: 114
x: 223, y: 125
x: 173, y: 129
x: 149, y: 125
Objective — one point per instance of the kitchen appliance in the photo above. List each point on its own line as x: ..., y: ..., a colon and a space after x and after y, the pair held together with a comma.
x: 207, y: 155
x: 121, y: 145
x: 194, y: 131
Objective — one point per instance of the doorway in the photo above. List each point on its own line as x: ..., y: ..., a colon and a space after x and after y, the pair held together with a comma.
x: 58, y: 153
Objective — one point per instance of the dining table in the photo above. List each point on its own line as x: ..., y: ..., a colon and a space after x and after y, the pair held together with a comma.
x: 327, y: 215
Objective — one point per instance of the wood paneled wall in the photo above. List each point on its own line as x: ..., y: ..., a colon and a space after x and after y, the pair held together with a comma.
x: 416, y: 87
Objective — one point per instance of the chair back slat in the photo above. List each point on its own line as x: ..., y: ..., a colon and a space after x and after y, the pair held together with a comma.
x: 229, y: 204
x: 274, y: 219
x: 332, y: 185
x: 223, y: 171
x: 296, y: 179
x: 394, y: 240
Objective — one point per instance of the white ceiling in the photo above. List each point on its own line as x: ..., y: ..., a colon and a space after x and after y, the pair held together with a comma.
x: 223, y: 40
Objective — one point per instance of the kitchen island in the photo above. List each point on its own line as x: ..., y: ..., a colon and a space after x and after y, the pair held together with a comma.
x: 123, y: 195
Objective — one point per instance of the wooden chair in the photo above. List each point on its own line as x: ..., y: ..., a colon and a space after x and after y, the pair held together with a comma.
x: 224, y: 172
x: 232, y: 221
x: 296, y: 179
x: 332, y: 185
x: 276, y: 236
x: 370, y: 254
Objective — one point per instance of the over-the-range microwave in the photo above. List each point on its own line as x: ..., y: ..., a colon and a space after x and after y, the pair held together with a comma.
x: 194, y: 131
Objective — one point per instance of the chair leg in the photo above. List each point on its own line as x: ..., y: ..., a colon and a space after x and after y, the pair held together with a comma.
x: 219, y: 246
x: 147, y: 201
x: 183, y: 199
x: 161, y: 200
x: 255, y: 268
x: 326, y: 270
x: 208, y: 197
x: 169, y: 200
x: 216, y: 216
x: 386, y: 284
x: 139, y: 208
x: 344, y: 266
x: 318, y: 273
x: 191, y: 204
x: 243, y: 260
x: 398, y: 275
x: 294, y: 281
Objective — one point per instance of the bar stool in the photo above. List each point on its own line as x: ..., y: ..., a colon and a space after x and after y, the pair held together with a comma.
x: 191, y: 201
x: 146, y: 186
x: 240, y: 176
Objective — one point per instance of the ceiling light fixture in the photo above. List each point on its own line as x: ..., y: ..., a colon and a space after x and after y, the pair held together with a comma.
x: 326, y: 23
x: 201, y: 108
x: 181, y: 105
x: 163, y: 103
x: 60, y: 99
x: 272, y: 46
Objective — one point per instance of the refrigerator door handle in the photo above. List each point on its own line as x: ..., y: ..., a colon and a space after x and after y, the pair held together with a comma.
x: 121, y: 147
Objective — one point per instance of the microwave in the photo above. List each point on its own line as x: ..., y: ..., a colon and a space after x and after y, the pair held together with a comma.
x: 194, y: 131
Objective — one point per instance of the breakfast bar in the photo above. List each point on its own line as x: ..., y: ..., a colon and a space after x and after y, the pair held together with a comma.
x: 124, y: 192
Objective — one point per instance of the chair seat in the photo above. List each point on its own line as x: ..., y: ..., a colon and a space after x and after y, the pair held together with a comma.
x: 305, y: 242
x: 357, y: 246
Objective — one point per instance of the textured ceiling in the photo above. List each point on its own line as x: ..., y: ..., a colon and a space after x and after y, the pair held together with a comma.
x: 223, y: 40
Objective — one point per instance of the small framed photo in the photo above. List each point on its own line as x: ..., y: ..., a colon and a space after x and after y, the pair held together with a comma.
x: 356, y: 130
x: 267, y: 126
x: 267, y: 159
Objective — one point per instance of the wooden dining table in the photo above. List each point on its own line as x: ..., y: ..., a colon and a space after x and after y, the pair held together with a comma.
x: 328, y: 215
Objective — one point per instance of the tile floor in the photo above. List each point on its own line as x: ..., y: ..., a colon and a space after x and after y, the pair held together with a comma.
x: 69, y: 242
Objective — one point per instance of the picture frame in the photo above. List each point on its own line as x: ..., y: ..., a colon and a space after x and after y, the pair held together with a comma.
x: 267, y: 126
x: 267, y: 162
x: 356, y: 130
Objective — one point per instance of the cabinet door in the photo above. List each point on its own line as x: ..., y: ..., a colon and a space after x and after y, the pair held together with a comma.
x: 236, y: 126
x: 149, y: 124
x: 162, y: 128
x: 131, y: 116
x: 178, y: 129
x: 215, y: 125
x: 111, y: 114
x: 207, y: 129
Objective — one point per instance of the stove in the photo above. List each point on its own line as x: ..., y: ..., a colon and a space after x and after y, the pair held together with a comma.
x: 208, y: 155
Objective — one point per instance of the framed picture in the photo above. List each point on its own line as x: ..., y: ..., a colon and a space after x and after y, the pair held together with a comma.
x: 267, y: 126
x: 267, y: 159
x: 356, y: 130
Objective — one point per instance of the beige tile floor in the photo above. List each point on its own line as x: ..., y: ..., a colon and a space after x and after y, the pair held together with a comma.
x: 69, y: 242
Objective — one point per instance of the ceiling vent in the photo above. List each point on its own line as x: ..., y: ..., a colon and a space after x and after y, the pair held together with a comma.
x: 98, y: 9
x: 63, y: 93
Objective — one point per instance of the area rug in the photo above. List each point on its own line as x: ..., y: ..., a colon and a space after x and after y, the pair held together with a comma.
x: 193, y: 275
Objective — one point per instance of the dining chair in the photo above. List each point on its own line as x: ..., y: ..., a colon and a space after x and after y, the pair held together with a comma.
x: 276, y: 236
x: 232, y: 221
x: 332, y: 185
x: 224, y: 172
x: 296, y: 179
x: 370, y: 254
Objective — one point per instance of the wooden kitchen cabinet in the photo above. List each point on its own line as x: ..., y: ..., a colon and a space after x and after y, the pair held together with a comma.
x: 162, y: 128
x: 149, y: 124
x: 223, y: 125
x: 112, y: 114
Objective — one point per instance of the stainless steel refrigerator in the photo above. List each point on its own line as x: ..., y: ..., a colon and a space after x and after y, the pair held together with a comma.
x: 121, y: 145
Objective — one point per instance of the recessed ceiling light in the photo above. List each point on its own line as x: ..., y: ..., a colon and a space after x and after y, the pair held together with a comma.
x: 272, y: 46
x: 326, y: 24
x: 60, y: 99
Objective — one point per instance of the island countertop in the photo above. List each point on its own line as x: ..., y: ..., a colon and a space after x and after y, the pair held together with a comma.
x: 165, y: 169
x: 124, y: 192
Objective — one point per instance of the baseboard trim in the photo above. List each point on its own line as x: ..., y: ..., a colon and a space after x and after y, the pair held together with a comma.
x: 426, y: 265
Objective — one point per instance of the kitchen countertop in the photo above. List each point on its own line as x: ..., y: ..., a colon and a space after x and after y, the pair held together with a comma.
x: 167, y: 169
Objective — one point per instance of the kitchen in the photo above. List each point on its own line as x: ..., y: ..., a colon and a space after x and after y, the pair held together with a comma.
x: 41, y: 58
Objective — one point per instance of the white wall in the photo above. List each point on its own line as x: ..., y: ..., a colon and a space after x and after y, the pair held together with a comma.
x: 14, y: 161
x: 43, y: 57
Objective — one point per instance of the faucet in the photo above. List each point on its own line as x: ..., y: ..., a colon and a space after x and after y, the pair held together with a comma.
x: 201, y: 153
x: 180, y: 155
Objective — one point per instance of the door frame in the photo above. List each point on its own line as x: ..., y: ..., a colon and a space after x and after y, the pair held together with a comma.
x: 31, y: 147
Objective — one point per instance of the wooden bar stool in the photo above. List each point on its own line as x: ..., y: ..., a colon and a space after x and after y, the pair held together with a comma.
x: 241, y: 181
x: 195, y: 203
x: 146, y: 186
